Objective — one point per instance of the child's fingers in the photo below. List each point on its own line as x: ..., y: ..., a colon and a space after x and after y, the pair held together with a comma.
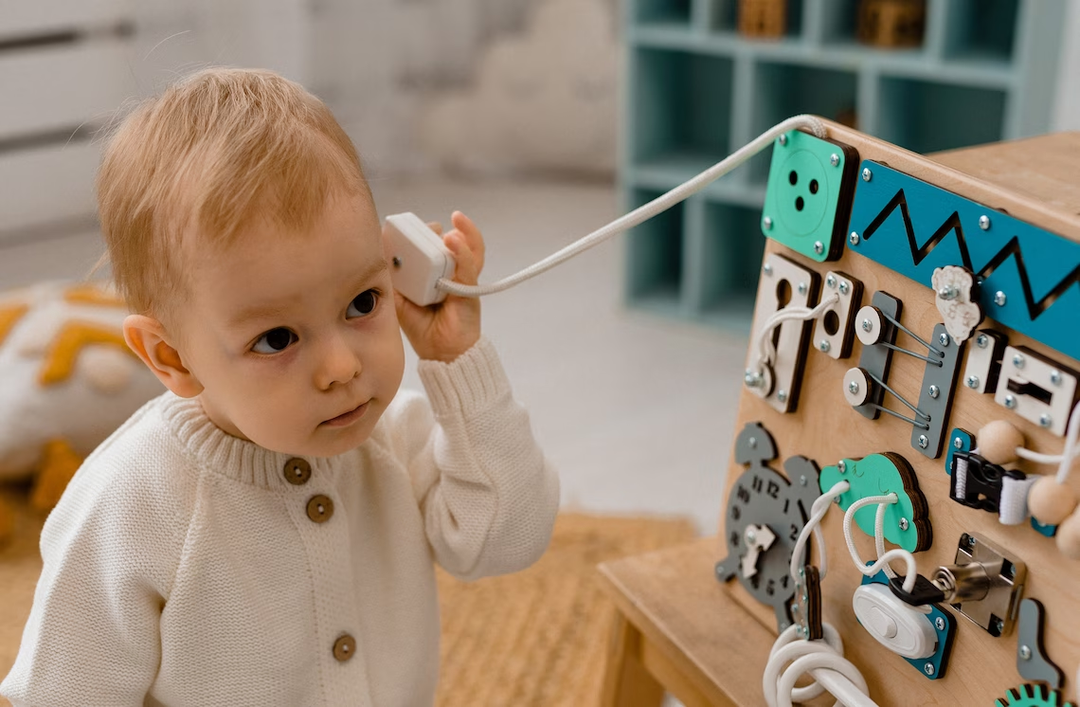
x: 473, y: 238
x: 467, y: 270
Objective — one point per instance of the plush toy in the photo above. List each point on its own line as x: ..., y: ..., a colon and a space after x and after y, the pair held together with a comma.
x: 67, y: 380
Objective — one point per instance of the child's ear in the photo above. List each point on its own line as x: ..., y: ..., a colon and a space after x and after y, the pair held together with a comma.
x: 147, y: 338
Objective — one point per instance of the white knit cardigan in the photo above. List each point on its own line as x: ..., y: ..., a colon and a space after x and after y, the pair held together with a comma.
x: 182, y: 568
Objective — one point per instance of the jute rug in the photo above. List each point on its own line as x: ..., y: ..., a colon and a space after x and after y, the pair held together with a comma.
x: 538, y: 637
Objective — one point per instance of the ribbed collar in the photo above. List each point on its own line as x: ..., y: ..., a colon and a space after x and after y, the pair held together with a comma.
x: 221, y: 453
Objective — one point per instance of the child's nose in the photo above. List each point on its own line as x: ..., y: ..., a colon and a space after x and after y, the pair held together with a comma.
x: 339, y: 365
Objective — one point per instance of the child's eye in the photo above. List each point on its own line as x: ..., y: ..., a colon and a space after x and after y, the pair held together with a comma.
x: 274, y: 341
x: 363, y: 304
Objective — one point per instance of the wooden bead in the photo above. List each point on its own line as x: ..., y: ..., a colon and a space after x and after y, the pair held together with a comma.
x: 1051, y: 502
x: 998, y: 441
x: 1068, y: 537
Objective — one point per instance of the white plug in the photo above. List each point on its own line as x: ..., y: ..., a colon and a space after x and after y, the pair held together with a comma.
x: 418, y: 259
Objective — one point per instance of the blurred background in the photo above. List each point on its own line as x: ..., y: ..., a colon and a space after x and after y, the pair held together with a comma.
x: 544, y: 120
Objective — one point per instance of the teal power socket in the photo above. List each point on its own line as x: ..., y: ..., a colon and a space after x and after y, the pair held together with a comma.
x: 809, y: 194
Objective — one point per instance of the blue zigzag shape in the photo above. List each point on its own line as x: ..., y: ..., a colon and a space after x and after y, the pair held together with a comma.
x: 952, y: 225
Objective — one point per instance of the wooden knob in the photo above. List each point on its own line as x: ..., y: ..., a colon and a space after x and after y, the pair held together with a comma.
x: 1051, y: 502
x: 1068, y: 537
x: 998, y: 441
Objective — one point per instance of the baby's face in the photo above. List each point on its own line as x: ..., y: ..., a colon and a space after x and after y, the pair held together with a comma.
x: 293, y: 336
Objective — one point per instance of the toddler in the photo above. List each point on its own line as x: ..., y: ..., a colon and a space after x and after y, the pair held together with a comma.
x: 264, y: 532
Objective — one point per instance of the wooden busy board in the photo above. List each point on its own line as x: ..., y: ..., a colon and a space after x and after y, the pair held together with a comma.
x: 1037, y: 181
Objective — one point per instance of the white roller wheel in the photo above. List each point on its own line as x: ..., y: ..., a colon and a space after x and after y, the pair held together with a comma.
x: 870, y: 325
x: 857, y: 387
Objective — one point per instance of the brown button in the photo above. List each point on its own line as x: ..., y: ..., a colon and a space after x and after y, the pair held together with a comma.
x: 320, y: 508
x: 297, y: 471
x: 344, y: 648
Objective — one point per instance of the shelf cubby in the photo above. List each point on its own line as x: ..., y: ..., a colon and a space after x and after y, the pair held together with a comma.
x: 927, y: 116
x: 655, y: 267
x: 682, y: 110
x: 697, y: 89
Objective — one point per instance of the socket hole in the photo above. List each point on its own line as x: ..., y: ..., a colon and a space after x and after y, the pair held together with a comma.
x: 793, y: 177
x: 831, y: 323
x: 813, y: 186
x: 799, y: 204
x: 783, y: 294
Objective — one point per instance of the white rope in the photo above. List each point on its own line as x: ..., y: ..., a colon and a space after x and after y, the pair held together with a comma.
x: 825, y: 662
x: 642, y: 213
x: 766, y: 351
x: 1068, y: 455
x: 821, y: 506
x: 883, y: 559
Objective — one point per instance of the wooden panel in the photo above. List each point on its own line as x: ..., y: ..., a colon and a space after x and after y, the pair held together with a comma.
x: 826, y: 429
x: 60, y: 87
x: 47, y: 185
x: 37, y: 17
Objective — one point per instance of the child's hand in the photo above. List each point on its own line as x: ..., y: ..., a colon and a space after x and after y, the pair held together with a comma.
x: 444, y: 331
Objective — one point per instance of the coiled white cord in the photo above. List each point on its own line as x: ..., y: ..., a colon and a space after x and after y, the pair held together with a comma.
x: 642, y: 213
x: 763, y: 344
x: 791, y: 657
x: 879, y: 542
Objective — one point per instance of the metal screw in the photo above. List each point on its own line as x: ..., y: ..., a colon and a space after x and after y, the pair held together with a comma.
x: 943, y: 339
x: 973, y: 381
x: 752, y: 379
x: 939, y: 624
x: 1045, y: 420
x: 396, y: 261
x: 948, y: 293
x: 819, y: 247
x: 767, y: 222
x: 867, y: 325
x: 982, y: 341
x: 830, y: 281
x: 844, y: 288
x: 781, y: 396
x: 719, y: 570
x: 1018, y: 361
x: 957, y: 443
x: 867, y: 175
x: 1000, y: 626
x: 834, y: 160
x: 767, y: 269
x: 1055, y: 377
x: 934, y: 391
x: 923, y: 442
x: 853, y: 239
x: 969, y: 541
x: 825, y: 345
x: 1025, y: 652
x: 783, y: 140
x: 903, y: 524
x: 802, y: 480
x: 984, y: 222
x: 853, y: 387
x: 928, y: 669
x: 752, y: 443
x: 802, y: 288
x: 1010, y: 401
x: 841, y: 466
x: 999, y: 298
x: 751, y: 537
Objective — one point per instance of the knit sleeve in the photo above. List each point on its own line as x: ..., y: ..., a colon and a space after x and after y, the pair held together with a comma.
x: 109, y: 551
x: 487, y: 493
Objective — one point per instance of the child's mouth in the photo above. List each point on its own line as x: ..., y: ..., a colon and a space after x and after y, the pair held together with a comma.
x: 349, y: 417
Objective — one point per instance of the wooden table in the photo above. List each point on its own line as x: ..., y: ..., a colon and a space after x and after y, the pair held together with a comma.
x: 678, y: 630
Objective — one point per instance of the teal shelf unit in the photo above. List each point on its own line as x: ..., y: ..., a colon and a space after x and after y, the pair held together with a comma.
x: 694, y: 90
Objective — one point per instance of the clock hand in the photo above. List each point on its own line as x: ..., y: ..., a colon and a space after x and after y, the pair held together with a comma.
x: 758, y: 538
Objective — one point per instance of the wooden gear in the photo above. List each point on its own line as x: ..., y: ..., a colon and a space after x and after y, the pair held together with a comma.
x: 1033, y: 180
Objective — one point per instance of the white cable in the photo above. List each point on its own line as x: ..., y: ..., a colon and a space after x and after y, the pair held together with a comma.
x: 642, y: 213
x: 883, y: 560
x: 825, y: 662
x: 818, y: 510
x: 766, y: 351
x: 1064, y: 460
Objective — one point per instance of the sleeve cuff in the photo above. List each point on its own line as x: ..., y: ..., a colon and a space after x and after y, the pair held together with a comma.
x: 472, y: 382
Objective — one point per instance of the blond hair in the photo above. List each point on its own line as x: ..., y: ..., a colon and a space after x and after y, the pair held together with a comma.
x: 215, y: 152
